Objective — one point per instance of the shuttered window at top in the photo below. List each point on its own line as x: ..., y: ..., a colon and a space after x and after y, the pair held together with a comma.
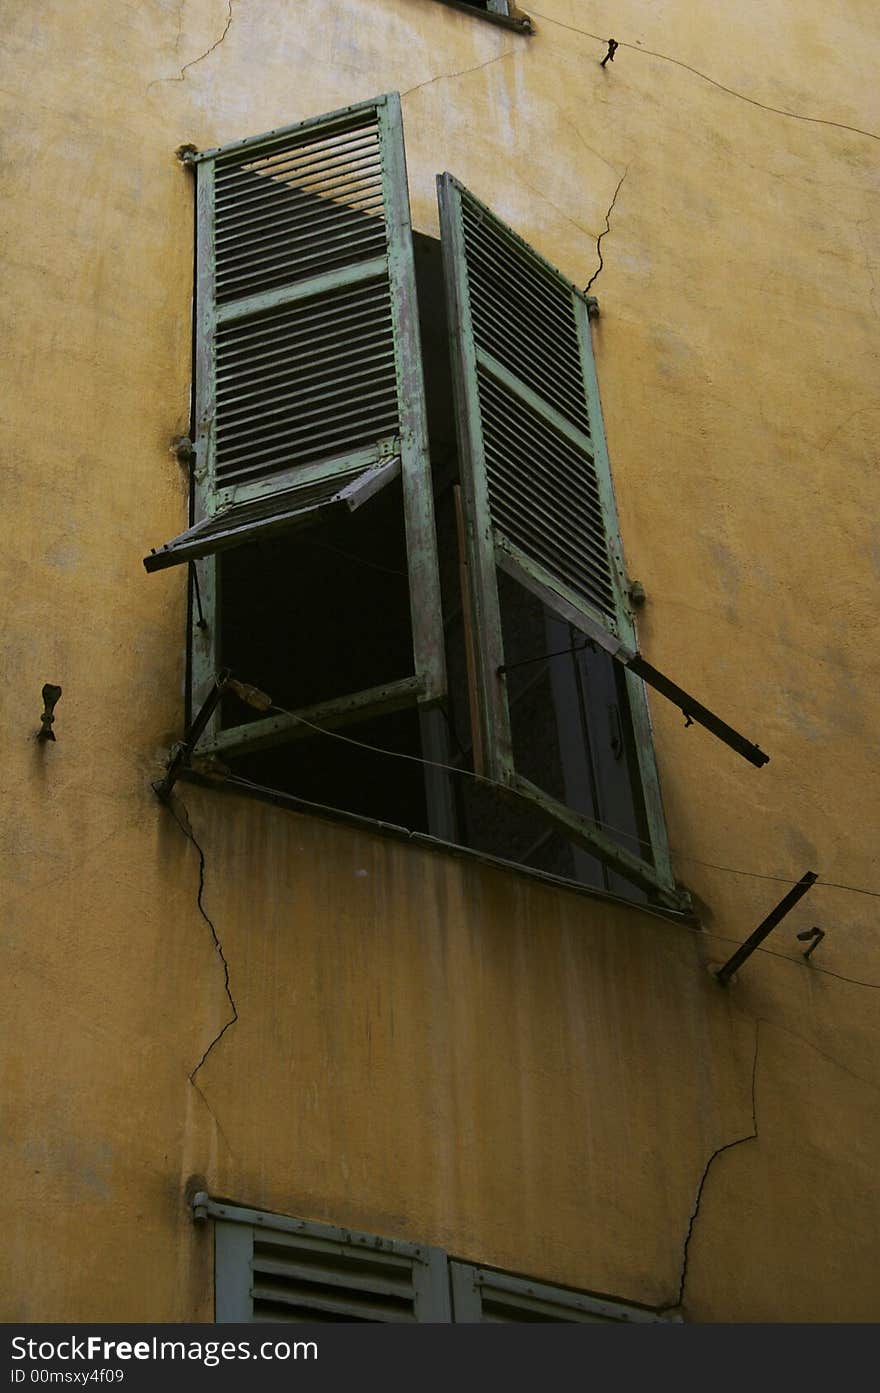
x: 539, y: 498
x: 309, y: 399
x: 503, y: 12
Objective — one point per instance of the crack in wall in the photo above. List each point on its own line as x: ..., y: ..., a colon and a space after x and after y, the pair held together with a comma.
x: 180, y: 9
x: 758, y: 1021
x: 462, y: 72
x: 555, y: 206
x: 605, y: 231
x: 230, y: 14
x: 832, y: 1059
x: 186, y: 829
x: 573, y: 128
x: 859, y: 411
x: 731, y: 92
x: 719, y: 1151
x: 869, y: 265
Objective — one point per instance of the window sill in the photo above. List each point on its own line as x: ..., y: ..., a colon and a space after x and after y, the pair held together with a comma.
x: 423, y: 839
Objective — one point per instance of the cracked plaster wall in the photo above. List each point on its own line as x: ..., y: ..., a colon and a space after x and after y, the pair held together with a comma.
x: 513, y: 1072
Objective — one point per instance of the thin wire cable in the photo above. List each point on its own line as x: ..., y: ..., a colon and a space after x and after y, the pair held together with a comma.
x: 606, y: 826
x: 752, y: 101
x: 436, y: 764
x: 356, y: 560
x: 813, y: 967
x: 783, y: 880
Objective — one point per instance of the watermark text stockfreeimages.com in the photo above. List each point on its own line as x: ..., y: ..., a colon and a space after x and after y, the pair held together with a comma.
x: 93, y: 1348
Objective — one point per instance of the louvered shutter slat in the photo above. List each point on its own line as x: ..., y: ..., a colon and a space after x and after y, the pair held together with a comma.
x: 292, y: 1270
x: 533, y: 432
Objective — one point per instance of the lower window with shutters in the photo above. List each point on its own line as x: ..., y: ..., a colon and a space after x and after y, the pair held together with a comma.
x: 271, y: 1268
x: 268, y: 1267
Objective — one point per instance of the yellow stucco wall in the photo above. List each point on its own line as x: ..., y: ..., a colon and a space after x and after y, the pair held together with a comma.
x: 429, y: 1048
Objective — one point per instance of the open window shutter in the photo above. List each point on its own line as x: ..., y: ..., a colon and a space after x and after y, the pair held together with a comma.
x: 538, y: 487
x: 272, y: 1268
x: 308, y: 383
x: 480, y: 1295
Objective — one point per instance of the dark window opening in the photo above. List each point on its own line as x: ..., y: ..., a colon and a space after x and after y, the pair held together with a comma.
x: 316, y: 614
x: 310, y: 618
x: 333, y: 773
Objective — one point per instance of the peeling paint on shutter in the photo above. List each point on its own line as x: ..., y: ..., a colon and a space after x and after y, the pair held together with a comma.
x: 272, y: 1268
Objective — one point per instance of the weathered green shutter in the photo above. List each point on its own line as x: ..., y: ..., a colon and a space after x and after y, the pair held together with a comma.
x: 538, y: 489
x: 308, y: 379
x: 308, y: 373
x: 272, y: 1268
x: 481, y: 1295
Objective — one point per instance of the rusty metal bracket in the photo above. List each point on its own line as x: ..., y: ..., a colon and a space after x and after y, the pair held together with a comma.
x: 182, y: 752
x: 51, y: 695
x: 694, y: 710
x: 593, y: 306
x: 787, y: 902
x: 388, y: 447
x: 816, y: 934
